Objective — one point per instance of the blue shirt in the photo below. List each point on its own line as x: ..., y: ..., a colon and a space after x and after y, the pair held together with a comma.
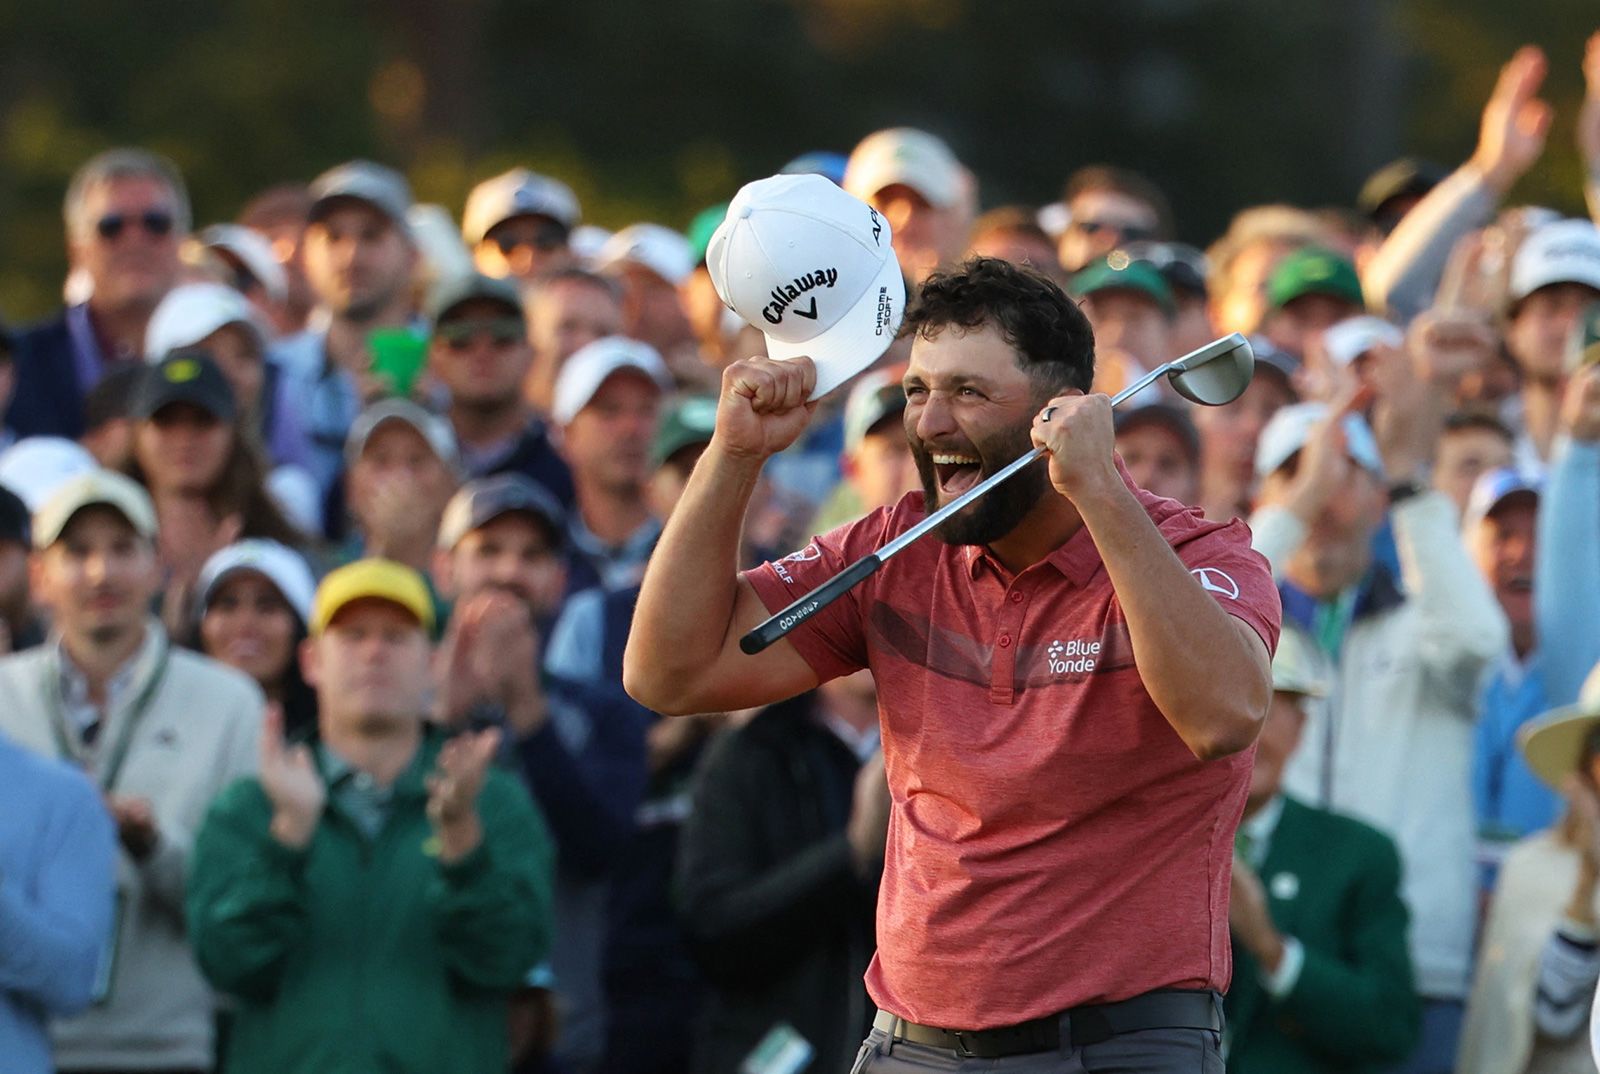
x: 1511, y: 801
x: 57, y: 887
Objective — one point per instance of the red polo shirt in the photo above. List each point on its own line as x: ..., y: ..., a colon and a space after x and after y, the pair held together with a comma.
x: 1053, y: 842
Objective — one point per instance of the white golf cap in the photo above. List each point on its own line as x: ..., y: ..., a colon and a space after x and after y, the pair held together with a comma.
x: 1565, y: 251
x: 434, y: 430
x: 192, y: 311
x: 254, y: 252
x: 95, y: 488
x: 811, y: 267
x: 433, y: 231
x: 1291, y: 427
x: 1352, y: 337
x: 590, y: 366
x: 586, y: 242
x: 660, y: 249
x: 517, y: 192
x: 908, y: 157
x: 277, y: 563
x: 36, y: 467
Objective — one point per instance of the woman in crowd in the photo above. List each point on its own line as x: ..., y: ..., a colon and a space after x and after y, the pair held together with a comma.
x: 255, y: 599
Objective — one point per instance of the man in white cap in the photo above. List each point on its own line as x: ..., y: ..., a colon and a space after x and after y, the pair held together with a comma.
x: 652, y: 262
x: 1554, y: 276
x: 1322, y: 980
x: 404, y: 466
x: 517, y: 225
x: 161, y: 730
x: 360, y: 259
x: 252, y: 269
x: 607, y: 403
x: 1408, y: 652
x: 928, y: 197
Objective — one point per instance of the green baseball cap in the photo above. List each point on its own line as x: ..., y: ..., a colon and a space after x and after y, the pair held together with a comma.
x: 1313, y: 270
x: 1119, y: 272
x: 689, y: 421
x: 702, y: 227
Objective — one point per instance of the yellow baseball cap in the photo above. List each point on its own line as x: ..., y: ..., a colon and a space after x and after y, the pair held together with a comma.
x: 375, y: 579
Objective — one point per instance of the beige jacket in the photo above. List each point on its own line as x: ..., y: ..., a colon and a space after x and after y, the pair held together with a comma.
x: 191, y: 727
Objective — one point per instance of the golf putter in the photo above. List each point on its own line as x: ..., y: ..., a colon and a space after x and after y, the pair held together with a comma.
x: 1215, y: 374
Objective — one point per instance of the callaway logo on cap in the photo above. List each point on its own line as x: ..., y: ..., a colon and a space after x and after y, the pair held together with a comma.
x: 812, y: 268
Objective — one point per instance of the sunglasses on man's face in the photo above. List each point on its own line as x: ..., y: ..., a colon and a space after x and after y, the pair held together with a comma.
x: 157, y: 222
x: 1127, y: 232
x: 502, y: 331
x: 544, y: 238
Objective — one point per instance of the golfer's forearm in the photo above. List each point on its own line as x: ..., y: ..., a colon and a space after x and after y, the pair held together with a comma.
x: 1194, y: 660
x: 686, y: 604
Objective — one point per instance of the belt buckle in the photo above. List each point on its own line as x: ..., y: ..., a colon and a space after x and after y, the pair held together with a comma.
x: 963, y: 1049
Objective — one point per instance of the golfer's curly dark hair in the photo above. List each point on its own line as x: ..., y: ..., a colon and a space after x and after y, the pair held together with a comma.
x: 1055, y: 345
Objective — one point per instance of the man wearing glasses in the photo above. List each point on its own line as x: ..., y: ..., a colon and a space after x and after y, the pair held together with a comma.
x: 126, y: 211
x: 480, y: 352
x: 1110, y: 207
x: 517, y: 225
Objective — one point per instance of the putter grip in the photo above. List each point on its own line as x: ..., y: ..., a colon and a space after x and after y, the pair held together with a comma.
x: 810, y: 604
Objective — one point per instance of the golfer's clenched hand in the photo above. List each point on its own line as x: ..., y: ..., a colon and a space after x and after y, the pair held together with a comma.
x: 763, y: 408
x: 1076, y: 430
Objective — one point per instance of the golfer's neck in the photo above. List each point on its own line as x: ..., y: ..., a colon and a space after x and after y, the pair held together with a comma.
x: 1047, y: 527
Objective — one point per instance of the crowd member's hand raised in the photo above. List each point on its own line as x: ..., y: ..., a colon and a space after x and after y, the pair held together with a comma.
x: 1324, y: 461
x: 1580, y: 408
x: 290, y: 779
x: 1515, y: 121
x: 1589, y: 112
x: 453, y: 790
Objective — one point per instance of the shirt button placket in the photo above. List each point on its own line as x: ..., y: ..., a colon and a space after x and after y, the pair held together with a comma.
x: 1003, y: 668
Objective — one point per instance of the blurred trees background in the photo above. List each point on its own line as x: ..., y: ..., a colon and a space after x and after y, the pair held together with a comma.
x: 653, y: 110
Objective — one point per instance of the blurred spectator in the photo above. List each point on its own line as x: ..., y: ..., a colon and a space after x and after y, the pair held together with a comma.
x: 1541, y: 947
x: 1185, y: 270
x: 161, y: 730
x: 1395, y: 189
x: 1308, y: 292
x: 218, y: 320
x: 360, y: 260
x: 255, y: 602
x: 922, y: 190
x: 650, y: 263
x: 1229, y: 434
x: 373, y: 898
x: 1243, y: 258
x: 126, y: 212
x: 607, y: 403
x: 1408, y: 653
x: 252, y: 269
x: 280, y: 214
x: 1567, y: 570
x: 404, y: 467
x: 580, y: 747
x: 517, y: 225
x: 1161, y: 450
x: 1110, y: 207
x: 567, y: 311
x: 107, y: 424
x: 1321, y: 977
x: 8, y: 384
x: 1131, y: 308
x: 1555, y: 274
x: 1337, y: 355
x: 1500, y: 529
x: 778, y: 869
x: 1012, y: 233
x: 205, y: 479
x: 877, y: 465
x: 58, y: 856
x: 34, y: 468
x: 1402, y: 278
x: 1471, y: 444
x: 20, y: 626
x: 481, y: 355
x: 722, y: 336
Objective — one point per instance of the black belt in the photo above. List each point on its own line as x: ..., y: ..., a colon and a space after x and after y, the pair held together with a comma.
x: 1082, y: 1026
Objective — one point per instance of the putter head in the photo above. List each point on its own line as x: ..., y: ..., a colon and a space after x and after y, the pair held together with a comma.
x: 1217, y: 373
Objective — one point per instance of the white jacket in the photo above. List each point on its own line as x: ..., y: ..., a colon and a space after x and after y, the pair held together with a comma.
x: 1393, y: 742
x: 198, y: 732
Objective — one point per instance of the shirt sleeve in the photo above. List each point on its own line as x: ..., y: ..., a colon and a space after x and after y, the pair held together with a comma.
x: 1569, y: 966
x: 1238, y: 577
x: 832, y: 641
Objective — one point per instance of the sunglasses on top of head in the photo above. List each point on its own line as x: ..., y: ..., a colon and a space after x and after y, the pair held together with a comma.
x: 157, y: 222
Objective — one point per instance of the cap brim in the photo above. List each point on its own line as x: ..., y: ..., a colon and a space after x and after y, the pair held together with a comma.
x: 856, y: 340
x: 1553, y: 744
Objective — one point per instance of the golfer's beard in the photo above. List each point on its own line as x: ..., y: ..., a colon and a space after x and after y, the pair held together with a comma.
x: 998, y: 511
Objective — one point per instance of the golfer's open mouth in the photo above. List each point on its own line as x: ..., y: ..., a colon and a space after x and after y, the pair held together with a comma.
x: 956, y: 473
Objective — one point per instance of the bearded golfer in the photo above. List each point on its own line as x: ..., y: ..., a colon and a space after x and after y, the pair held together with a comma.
x: 1070, y: 683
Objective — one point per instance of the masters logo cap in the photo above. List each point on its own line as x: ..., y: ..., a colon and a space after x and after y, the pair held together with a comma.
x: 812, y: 268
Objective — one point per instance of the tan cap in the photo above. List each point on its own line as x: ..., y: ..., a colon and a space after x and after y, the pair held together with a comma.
x: 1553, y: 744
x: 1298, y: 667
x: 96, y: 488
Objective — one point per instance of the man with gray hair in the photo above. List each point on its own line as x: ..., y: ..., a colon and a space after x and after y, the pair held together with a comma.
x: 126, y: 212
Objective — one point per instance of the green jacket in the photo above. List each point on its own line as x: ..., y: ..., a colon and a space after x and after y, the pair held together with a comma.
x: 368, y: 956
x: 1333, y: 883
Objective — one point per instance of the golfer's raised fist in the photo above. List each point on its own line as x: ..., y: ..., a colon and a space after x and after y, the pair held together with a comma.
x: 763, y: 408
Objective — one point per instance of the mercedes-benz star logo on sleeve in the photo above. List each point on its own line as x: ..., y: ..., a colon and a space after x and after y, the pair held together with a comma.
x: 1213, y: 580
